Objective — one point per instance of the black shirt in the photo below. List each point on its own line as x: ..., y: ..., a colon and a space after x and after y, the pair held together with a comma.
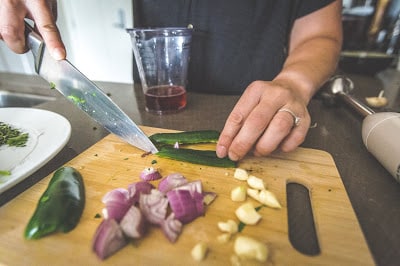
x: 234, y: 42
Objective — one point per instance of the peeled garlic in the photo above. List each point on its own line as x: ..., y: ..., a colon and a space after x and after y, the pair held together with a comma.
x: 255, y: 182
x: 254, y: 193
x: 238, y: 193
x: 268, y: 198
x: 229, y: 226
x: 199, y: 251
x: 250, y: 248
x: 247, y: 214
x: 241, y: 174
x: 224, y: 238
x: 377, y: 102
x: 265, y: 197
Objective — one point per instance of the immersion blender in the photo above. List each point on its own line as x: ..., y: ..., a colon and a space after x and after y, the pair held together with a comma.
x: 380, y: 131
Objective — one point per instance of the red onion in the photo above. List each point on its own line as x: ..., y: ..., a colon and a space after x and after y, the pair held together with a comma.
x: 194, y: 186
x: 171, y: 181
x: 133, y: 224
x: 117, y: 203
x: 150, y: 174
x: 171, y: 228
x: 185, y: 205
x: 123, y: 219
x: 154, y: 206
x: 108, y: 239
x: 135, y: 189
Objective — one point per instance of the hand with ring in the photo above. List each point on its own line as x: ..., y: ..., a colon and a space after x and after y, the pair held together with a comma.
x: 268, y: 116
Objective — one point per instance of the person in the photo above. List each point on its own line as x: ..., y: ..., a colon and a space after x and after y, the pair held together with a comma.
x: 276, y: 54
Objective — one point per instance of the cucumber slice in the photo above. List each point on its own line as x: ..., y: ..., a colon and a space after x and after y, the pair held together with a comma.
x: 204, y: 157
x: 187, y: 137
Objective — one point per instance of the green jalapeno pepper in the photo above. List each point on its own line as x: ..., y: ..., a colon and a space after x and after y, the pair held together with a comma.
x: 61, y: 205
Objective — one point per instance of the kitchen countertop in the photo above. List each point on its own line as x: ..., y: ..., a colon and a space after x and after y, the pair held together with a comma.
x: 373, y: 192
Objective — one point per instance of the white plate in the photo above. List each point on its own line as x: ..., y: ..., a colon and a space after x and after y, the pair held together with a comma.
x: 48, y: 134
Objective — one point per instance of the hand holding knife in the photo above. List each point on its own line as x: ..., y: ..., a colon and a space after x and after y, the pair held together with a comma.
x: 84, y: 94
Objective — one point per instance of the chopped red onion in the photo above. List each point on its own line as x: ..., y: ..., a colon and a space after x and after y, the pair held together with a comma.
x: 133, y: 224
x: 118, y: 194
x: 154, y: 206
x: 150, y: 174
x: 194, y: 186
x: 124, y: 220
x: 117, y: 203
x: 198, y: 198
x: 171, y: 181
x: 108, y: 239
x: 172, y: 228
x: 185, y: 205
x: 135, y: 189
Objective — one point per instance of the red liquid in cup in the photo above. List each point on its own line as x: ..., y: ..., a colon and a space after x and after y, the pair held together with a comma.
x: 165, y: 99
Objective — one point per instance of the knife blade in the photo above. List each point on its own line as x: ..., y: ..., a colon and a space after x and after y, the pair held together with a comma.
x: 84, y: 94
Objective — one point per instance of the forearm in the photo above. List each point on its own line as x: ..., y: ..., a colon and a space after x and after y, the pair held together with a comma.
x: 314, y: 49
x: 310, y: 65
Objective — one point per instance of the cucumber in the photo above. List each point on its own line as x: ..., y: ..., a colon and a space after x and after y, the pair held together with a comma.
x: 60, y: 207
x: 187, y: 137
x: 204, y: 157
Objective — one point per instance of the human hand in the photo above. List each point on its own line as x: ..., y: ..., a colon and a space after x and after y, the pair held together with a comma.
x: 42, y: 12
x: 256, y: 123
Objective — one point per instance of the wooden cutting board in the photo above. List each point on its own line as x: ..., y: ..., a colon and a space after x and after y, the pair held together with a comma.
x: 111, y: 163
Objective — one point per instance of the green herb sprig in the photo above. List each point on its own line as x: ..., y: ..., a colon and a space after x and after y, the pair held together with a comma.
x: 11, y: 136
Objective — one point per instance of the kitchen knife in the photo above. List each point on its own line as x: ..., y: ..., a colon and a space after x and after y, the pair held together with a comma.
x: 84, y: 94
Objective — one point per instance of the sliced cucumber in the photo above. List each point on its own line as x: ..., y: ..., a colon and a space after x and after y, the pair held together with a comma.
x: 187, y: 137
x: 204, y: 157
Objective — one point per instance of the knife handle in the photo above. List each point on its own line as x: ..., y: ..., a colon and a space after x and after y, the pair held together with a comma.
x: 35, y: 43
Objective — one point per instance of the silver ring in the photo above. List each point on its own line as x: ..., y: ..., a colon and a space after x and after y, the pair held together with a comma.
x: 296, y: 119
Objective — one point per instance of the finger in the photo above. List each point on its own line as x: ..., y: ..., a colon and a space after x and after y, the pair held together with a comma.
x: 45, y: 24
x: 231, y: 128
x: 281, y: 133
x: 252, y: 129
x: 296, y: 137
x: 12, y: 15
x: 279, y: 128
x: 235, y: 120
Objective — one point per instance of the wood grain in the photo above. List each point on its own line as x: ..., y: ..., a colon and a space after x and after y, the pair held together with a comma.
x: 111, y: 163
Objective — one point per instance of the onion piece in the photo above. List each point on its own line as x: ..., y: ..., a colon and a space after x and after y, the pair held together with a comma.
x: 171, y: 181
x: 150, y: 174
x: 209, y: 197
x: 185, y: 205
x: 172, y: 228
x: 135, y: 189
x: 154, y: 206
x: 108, y: 239
x: 117, y: 202
x: 133, y: 224
x: 192, y: 187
